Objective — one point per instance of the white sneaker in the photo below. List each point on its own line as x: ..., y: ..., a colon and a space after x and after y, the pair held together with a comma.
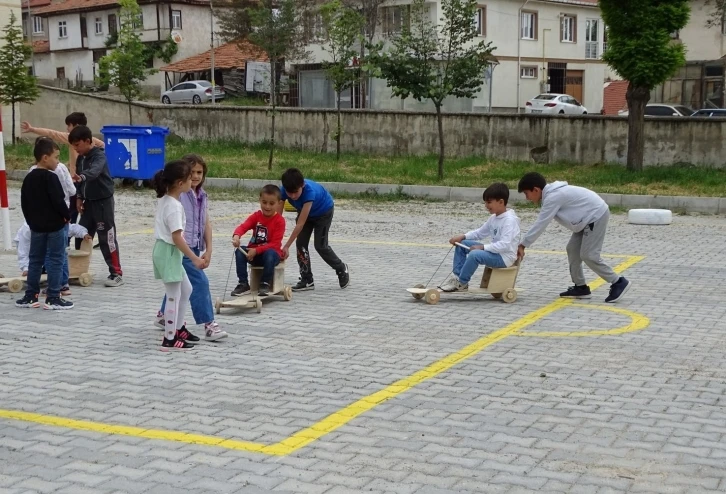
x: 113, y: 280
x: 212, y: 332
x: 449, y: 283
x: 460, y: 287
x: 159, y: 321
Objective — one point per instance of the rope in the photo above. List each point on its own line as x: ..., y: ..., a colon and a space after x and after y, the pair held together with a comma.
x: 229, y: 273
x: 437, y: 269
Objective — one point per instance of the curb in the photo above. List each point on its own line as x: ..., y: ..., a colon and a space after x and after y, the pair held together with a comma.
x: 708, y: 205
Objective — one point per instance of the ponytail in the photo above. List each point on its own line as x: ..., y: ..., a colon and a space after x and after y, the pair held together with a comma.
x: 173, y: 172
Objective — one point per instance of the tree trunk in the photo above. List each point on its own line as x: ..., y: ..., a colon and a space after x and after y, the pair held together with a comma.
x: 440, y: 120
x: 13, y: 133
x: 273, y: 100
x: 131, y: 120
x: 338, y: 130
x: 637, y: 97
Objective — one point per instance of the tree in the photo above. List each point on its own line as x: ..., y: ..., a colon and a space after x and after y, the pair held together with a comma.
x: 16, y: 84
x: 718, y: 13
x: 125, y: 66
x: 429, y: 61
x: 640, y: 49
x: 276, y: 27
x: 343, y: 26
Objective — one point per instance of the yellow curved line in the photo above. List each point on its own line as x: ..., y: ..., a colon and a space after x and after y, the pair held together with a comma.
x: 638, y: 322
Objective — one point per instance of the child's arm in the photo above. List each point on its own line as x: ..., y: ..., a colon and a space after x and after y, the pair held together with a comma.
x: 301, y: 219
x: 548, y: 211
x: 58, y: 197
x: 207, y: 256
x: 243, y: 228
x: 23, y: 252
x: 77, y: 231
x: 480, y: 233
x: 178, y: 238
x: 57, y: 136
x: 94, y: 169
x: 66, y: 181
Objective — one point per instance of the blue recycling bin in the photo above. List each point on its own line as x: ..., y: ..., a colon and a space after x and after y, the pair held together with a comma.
x: 134, y: 152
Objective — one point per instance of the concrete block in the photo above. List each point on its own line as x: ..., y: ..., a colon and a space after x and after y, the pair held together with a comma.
x: 359, y: 188
x: 432, y: 192
x: 722, y: 205
x: 662, y: 202
x: 466, y: 194
x: 633, y: 201
x: 17, y: 174
x: 223, y: 183
x: 516, y: 197
x: 612, y: 199
x: 256, y: 183
x: 696, y: 204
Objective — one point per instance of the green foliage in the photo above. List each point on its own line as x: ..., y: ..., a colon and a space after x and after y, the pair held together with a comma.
x: 640, y: 47
x: 343, y: 26
x: 163, y: 50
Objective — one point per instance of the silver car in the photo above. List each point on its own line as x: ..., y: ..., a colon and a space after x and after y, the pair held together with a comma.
x: 196, y: 92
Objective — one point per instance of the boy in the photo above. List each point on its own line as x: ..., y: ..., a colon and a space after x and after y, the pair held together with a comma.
x: 315, y: 214
x: 95, y: 199
x: 45, y: 211
x: 264, y: 248
x: 22, y: 243
x: 584, y: 213
x: 502, y: 226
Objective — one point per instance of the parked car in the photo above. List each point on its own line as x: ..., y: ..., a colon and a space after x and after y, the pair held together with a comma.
x: 711, y: 112
x: 662, y: 110
x: 558, y: 104
x: 195, y: 92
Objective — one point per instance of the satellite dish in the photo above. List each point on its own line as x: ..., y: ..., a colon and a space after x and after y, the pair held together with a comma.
x: 176, y: 37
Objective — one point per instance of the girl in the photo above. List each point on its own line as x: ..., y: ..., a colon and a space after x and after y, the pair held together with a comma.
x: 198, y: 236
x: 170, y: 183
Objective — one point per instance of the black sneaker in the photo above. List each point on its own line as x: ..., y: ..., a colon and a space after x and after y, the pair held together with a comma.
x: 303, y: 285
x: 344, y: 277
x: 175, y: 345
x: 264, y: 290
x: 57, y: 303
x: 28, y: 302
x: 184, y: 334
x: 617, y: 290
x: 577, y: 291
x: 241, y: 289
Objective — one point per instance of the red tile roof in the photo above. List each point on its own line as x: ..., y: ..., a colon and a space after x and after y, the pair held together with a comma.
x: 228, y: 56
x: 41, y: 46
x: 34, y: 4
x: 70, y: 6
x: 614, y: 97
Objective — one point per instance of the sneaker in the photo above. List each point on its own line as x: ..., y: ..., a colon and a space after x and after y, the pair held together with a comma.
x: 114, y: 280
x: 303, y: 285
x: 212, y: 332
x: 449, y: 283
x: 66, y: 291
x: 344, y: 277
x: 458, y: 287
x: 57, y: 303
x: 264, y: 289
x: 617, y: 290
x: 185, y: 335
x: 241, y: 289
x: 175, y: 345
x: 28, y: 302
x: 577, y: 291
x: 159, y: 321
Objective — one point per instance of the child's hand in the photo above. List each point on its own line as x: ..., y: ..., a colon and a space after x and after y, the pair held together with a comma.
x: 520, y: 252
x: 457, y: 238
x: 207, y: 256
x: 26, y: 127
x: 79, y: 204
x: 198, y: 262
x: 251, y: 253
x: 87, y: 237
x: 25, y: 273
x: 285, y: 253
x: 235, y: 241
x: 76, y: 178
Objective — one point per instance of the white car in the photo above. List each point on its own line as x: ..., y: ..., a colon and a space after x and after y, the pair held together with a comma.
x: 555, y: 104
x: 195, y: 92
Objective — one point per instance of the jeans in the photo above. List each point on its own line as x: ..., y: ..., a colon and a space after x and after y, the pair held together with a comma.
x: 66, y: 273
x: 200, y: 299
x: 52, y: 245
x: 466, y: 262
x: 268, y: 260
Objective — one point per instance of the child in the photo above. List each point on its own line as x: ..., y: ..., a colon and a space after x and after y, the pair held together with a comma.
x: 264, y: 248
x: 315, y: 214
x: 95, y: 199
x: 584, y: 213
x: 170, y: 183
x: 45, y: 211
x: 198, y: 236
x: 22, y: 243
x: 502, y: 226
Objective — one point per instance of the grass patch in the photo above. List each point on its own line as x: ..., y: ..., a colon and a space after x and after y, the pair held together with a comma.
x: 236, y: 160
x: 242, y: 101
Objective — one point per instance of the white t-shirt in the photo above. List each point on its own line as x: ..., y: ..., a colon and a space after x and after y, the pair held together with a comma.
x: 170, y: 217
x: 69, y: 189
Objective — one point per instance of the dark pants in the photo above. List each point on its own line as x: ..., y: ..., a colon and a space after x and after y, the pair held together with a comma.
x: 73, y: 210
x: 268, y: 260
x: 48, y: 248
x: 97, y: 217
x: 319, y: 227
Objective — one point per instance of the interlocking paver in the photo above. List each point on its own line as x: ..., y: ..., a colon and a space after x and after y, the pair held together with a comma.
x: 637, y: 412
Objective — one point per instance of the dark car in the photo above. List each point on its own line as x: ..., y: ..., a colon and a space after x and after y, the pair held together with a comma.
x: 711, y: 112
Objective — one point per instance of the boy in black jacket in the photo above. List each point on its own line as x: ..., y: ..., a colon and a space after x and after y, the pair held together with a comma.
x: 44, y: 207
x: 95, y: 202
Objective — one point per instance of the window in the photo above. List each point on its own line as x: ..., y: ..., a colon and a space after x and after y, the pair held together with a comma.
x: 480, y: 21
x: 592, y: 38
x: 723, y: 23
x: 568, y: 29
x: 25, y: 27
x: 528, y: 25
x: 99, y: 25
x: 62, y: 30
x: 395, y: 18
x: 528, y: 73
x: 314, y: 30
x: 604, y: 38
x: 138, y: 22
x: 60, y: 73
x: 112, y: 24
x: 176, y: 19
x: 37, y: 25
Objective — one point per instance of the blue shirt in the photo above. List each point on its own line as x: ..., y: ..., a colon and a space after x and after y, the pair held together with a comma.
x: 312, y: 191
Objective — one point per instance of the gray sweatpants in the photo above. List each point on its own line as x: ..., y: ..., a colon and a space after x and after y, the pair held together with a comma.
x: 586, y: 246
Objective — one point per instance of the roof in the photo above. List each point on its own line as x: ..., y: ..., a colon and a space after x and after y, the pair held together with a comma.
x: 71, y: 6
x: 41, y: 46
x: 614, y: 97
x: 227, y: 56
x: 35, y: 4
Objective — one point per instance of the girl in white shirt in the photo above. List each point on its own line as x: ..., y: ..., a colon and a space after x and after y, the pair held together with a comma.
x: 174, y: 180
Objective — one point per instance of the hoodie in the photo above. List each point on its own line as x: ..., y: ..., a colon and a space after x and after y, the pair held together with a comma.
x: 96, y: 182
x: 504, y: 230
x: 571, y: 206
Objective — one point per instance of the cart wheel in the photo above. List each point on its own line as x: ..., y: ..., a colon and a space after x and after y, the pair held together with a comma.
x: 432, y: 296
x: 86, y: 279
x: 139, y: 184
x: 497, y: 295
x: 258, y: 305
x: 218, y: 306
x: 15, y: 285
x: 287, y: 293
x: 418, y: 296
x: 509, y: 295
x: 127, y: 181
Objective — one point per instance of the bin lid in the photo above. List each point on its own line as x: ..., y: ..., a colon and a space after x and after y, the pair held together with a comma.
x: 134, y: 129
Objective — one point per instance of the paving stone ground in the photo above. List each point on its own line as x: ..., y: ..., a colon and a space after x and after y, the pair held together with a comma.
x: 636, y: 412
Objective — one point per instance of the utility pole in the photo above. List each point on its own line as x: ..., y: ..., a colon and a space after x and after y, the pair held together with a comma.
x: 31, y: 28
x: 211, y: 32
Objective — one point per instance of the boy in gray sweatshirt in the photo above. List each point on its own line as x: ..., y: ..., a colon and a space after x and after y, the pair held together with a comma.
x: 584, y: 213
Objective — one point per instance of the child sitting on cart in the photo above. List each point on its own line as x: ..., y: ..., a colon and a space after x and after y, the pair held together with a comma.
x: 502, y: 227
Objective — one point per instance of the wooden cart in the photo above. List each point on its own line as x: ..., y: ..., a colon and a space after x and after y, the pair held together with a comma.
x: 254, y: 301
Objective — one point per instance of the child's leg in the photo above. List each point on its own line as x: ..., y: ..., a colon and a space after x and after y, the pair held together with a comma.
x: 322, y: 228
x: 171, y: 314
x: 460, y: 255
x: 573, y: 257
x: 38, y: 248
x: 241, y: 262
x: 303, y: 254
x: 201, y: 299
x: 103, y: 213
x: 55, y: 254
x: 66, y: 270
x: 475, y: 259
x: 186, y: 293
x: 270, y: 259
x: 592, y: 240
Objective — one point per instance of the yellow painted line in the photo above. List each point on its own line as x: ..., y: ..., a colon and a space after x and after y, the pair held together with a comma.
x: 338, y: 419
x: 638, y: 322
